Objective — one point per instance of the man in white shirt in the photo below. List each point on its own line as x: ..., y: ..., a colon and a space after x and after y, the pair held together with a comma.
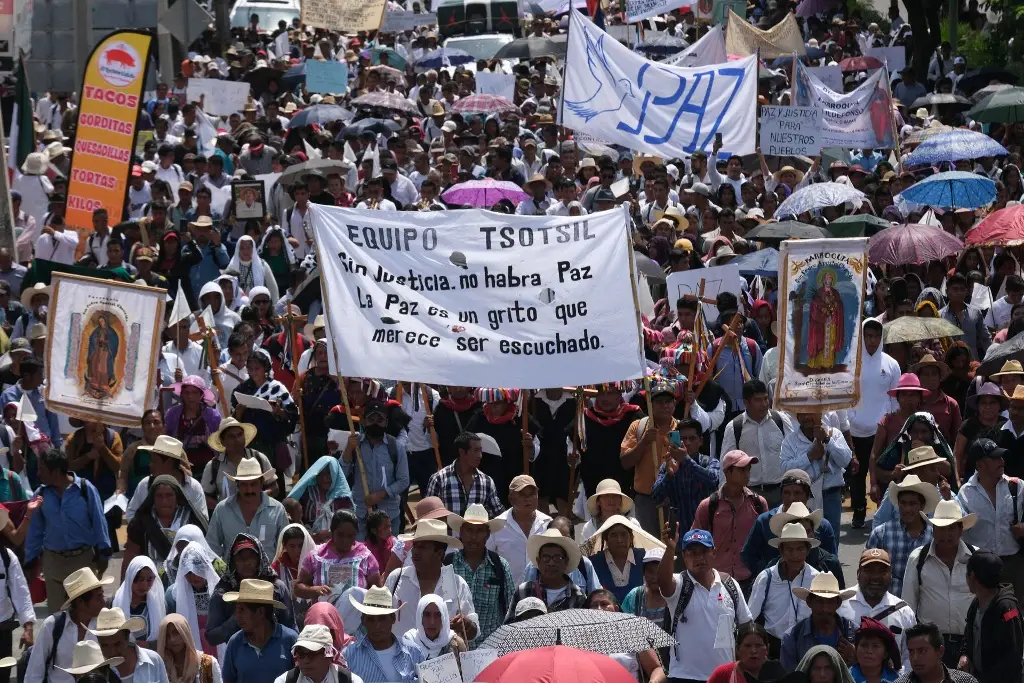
x: 713, y: 606
x: 66, y: 628
x: 138, y: 665
x: 15, y: 599
x: 403, y: 190
x: 57, y: 243
x: 428, y: 574
x: 999, y: 316
x: 935, y: 582
x: 139, y: 194
x: 96, y: 243
x: 295, y: 221
x: 873, y: 599
x: 522, y: 520
x: 772, y: 594
x: 537, y: 204
x: 759, y: 432
x: 419, y: 447
x: 374, y: 188
x: 189, y: 353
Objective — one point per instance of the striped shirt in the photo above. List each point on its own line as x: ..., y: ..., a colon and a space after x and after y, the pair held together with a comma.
x: 446, y: 485
x: 363, y: 661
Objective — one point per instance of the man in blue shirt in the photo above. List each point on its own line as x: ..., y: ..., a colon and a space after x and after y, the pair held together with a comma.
x: 68, y: 531
x: 378, y: 656
x: 208, y: 250
x: 262, y: 650
x: 46, y: 421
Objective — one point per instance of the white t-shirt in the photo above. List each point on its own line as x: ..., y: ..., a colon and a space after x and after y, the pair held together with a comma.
x: 137, y: 199
x: 386, y: 658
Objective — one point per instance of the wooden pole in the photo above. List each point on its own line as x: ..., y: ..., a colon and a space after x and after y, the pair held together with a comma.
x: 293, y: 338
x: 690, y: 379
x: 211, y: 355
x: 343, y: 386
x: 580, y: 405
x: 527, y: 449
x: 718, y: 352
x: 425, y: 393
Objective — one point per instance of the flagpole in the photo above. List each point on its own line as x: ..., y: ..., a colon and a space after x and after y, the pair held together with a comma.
x: 892, y: 120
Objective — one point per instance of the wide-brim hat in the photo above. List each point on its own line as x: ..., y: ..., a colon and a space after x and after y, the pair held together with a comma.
x: 608, y: 487
x: 249, y: 430
x: 201, y: 222
x: 249, y: 469
x: 723, y: 253
x: 929, y: 360
x: 641, y: 539
x: 80, y: 582
x: 88, y: 657
x: 1010, y: 367
x: 553, y: 537
x: 167, y: 446
x: 909, y: 382
x: 33, y: 291
x: 988, y: 389
x: 949, y: 512
x: 913, y: 483
x: 475, y: 514
x: 377, y: 600
x: 794, y: 532
x: 538, y: 178
x: 922, y: 456
x: 255, y: 592
x: 824, y: 585
x: 796, y: 512
x: 788, y: 169
x: 435, y: 530
x: 112, y: 620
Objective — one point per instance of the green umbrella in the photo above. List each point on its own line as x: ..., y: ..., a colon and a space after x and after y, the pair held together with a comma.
x: 857, y: 225
x: 1002, y: 106
x: 911, y: 329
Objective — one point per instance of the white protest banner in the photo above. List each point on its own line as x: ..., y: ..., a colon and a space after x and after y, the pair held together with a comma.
x: 668, y: 111
x: 475, y: 661
x: 895, y: 58
x: 781, y: 40
x: 709, y: 49
x: 638, y: 10
x: 503, y: 85
x: 103, y: 348
x: 346, y: 16
x: 861, y: 119
x: 441, y: 297
x: 395, y: 22
x: 716, y: 279
x: 790, y: 131
x: 831, y: 76
x: 219, y: 97
x: 282, y: 50
x: 821, y: 293
x: 443, y: 669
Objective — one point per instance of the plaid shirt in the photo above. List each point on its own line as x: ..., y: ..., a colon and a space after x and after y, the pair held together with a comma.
x: 892, y: 537
x: 694, y: 481
x: 486, y: 590
x: 446, y: 485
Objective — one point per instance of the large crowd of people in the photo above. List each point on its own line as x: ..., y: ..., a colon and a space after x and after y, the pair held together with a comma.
x: 261, y: 546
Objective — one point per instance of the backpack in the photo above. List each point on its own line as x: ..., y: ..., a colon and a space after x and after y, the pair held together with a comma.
x: 737, y: 425
x: 715, y: 498
x: 687, y: 593
x: 499, y: 571
x: 59, y: 623
x: 923, y: 557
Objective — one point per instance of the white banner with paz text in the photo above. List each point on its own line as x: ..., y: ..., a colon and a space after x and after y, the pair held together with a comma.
x: 474, y: 297
x: 668, y: 111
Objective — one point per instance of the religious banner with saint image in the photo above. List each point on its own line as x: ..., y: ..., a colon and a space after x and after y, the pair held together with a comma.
x: 821, y: 295
x: 104, y: 342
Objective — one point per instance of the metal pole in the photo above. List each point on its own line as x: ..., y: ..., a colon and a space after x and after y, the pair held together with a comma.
x: 222, y: 13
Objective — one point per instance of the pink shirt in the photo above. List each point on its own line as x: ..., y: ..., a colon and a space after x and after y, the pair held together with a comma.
x: 730, y: 531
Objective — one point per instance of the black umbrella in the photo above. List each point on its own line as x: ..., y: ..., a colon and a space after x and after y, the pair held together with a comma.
x: 647, y: 266
x: 663, y: 45
x: 1012, y: 349
x: 294, y: 173
x: 584, y: 629
x: 976, y: 79
x: 320, y: 114
x: 531, y: 48
x: 381, y: 126
x: 293, y: 76
x: 260, y: 79
x: 785, y: 230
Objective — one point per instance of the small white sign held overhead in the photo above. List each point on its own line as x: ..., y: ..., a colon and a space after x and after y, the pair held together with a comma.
x: 790, y: 131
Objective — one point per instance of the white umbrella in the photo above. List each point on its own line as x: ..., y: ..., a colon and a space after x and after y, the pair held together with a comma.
x: 818, y: 196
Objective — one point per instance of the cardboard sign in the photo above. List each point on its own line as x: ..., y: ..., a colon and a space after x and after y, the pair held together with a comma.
x: 326, y: 77
x: 221, y: 98
x: 790, y: 131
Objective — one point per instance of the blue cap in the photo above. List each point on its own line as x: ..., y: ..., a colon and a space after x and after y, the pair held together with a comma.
x: 698, y: 536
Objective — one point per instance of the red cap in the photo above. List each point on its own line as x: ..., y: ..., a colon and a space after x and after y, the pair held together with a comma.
x: 136, y: 171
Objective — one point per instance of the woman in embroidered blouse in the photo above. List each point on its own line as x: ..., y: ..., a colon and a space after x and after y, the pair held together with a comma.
x: 338, y: 564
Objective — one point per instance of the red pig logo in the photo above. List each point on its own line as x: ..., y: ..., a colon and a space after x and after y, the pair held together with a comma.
x: 119, y: 57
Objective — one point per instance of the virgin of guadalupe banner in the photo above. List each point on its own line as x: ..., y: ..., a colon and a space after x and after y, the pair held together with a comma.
x: 821, y: 295
x: 104, y: 343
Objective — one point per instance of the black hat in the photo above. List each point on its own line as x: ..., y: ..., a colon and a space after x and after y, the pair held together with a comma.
x: 985, y: 448
x: 375, y: 407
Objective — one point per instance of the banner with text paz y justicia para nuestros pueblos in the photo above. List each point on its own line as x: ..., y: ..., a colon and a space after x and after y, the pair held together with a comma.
x: 105, y: 137
x: 472, y: 297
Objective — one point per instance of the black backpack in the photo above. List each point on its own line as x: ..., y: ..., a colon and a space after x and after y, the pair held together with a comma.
x: 499, y: 571
x: 687, y: 593
x: 59, y: 623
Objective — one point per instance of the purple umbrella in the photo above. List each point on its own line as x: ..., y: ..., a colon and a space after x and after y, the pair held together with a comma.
x: 484, y: 193
x: 913, y: 243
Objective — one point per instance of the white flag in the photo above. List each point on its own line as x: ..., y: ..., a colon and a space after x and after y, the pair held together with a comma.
x: 710, y: 49
x: 180, y: 311
x: 668, y: 111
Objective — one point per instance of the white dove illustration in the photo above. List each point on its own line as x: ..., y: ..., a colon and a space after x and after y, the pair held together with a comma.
x: 597, y: 62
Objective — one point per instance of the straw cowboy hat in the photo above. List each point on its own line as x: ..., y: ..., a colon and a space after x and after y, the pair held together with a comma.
x: 36, y: 163
x: 1010, y: 367
x: 722, y: 254
x: 929, y: 359
x: 378, y: 600
x: 88, y: 657
x: 254, y: 592
x: 553, y: 537
x: 948, y: 513
x: 110, y: 621
x: 641, y: 539
x: 34, y: 291
x: 249, y: 469
x: 475, y: 514
x: 913, y: 483
x: 249, y: 430
x: 793, y: 533
x: 609, y: 487
x: 435, y: 530
x: 80, y: 582
x: 797, y: 511
x: 201, y: 222
x: 167, y: 446
x: 922, y: 456
x: 789, y: 169
x: 824, y: 585
x: 1018, y: 393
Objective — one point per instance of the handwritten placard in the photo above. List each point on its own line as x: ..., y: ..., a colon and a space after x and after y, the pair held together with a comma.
x: 346, y: 16
x: 831, y: 75
x: 790, y: 130
x: 443, y: 669
x: 475, y: 661
x: 394, y: 22
x: 503, y: 85
x: 219, y: 97
x: 326, y: 76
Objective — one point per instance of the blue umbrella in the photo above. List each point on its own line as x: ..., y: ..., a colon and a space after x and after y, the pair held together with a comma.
x: 293, y: 76
x: 954, y: 145
x: 818, y: 196
x: 320, y: 114
x: 952, y: 189
x: 764, y: 262
x: 445, y: 56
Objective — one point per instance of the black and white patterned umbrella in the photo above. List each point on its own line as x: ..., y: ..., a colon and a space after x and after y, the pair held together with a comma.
x: 584, y: 629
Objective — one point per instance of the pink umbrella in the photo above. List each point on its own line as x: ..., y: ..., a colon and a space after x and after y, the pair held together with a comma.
x: 913, y: 243
x: 1002, y: 228
x: 483, y: 104
x: 484, y: 193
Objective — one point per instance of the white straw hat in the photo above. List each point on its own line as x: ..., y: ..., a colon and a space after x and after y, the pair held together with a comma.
x: 80, y: 582
x: 912, y: 482
x: 110, y: 621
x: 432, y: 530
x: 824, y: 585
x: 377, y: 600
x: 168, y: 447
x: 475, y: 514
x: 254, y: 591
x: 609, y: 487
x: 948, y: 512
x: 248, y: 469
x: 797, y: 511
x: 792, y: 533
x: 88, y: 657
x: 553, y: 537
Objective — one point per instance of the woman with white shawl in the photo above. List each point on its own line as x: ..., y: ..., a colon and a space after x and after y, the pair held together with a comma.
x: 189, y: 533
x: 433, y: 634
x: 293, y: 544
x: 141, y: 595
x: 251, y: 270
x: 190, y: 593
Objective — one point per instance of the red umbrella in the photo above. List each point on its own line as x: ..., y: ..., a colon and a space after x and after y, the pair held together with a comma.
x: 860, y: 64
x: 913, y: 243
x: 1002, y: 228
x: 555, y: 664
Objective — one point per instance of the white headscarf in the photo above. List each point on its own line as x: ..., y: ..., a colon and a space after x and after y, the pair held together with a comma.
x: 236, y: 263
x: 192, y: 534
x: 236, y: 296
x: 307, y: 542
x: 156, y: 606
x: 417, y: 637
x: 195, y: 560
